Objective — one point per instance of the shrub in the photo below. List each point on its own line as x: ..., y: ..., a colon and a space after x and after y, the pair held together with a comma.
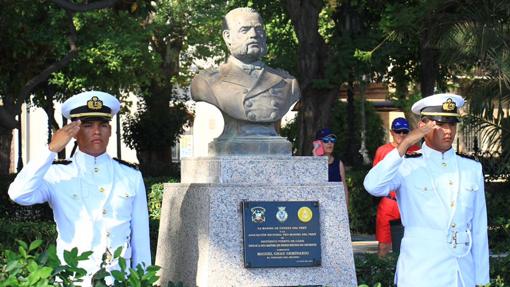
x: 497, y: 198
x: 26, y: 231
x: 362, y: 206
x: 11, y: 210
x: 370, y: 269
x: 32, y: 267
x: 374, y: 271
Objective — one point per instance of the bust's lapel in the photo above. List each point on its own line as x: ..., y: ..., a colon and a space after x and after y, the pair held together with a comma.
x: 264, y: 82
x: 235, y: 75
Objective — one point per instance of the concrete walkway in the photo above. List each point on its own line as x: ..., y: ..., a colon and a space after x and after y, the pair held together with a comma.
x: 362, y: 243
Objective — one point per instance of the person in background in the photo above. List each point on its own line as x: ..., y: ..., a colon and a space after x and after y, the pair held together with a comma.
x: 387, y: 209
x: 324, y: 145
x: 99, y: 203
x: 441, y: 197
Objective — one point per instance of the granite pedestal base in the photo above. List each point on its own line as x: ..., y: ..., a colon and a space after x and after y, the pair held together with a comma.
x: 200, y: 238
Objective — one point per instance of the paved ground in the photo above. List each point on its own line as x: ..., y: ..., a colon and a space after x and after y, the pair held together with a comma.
x: 364, y: 243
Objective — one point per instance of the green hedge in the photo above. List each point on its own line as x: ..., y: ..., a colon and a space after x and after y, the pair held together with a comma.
x: 362, y: 205
x: 27, y: 231
x: 498, y: 199
x: 370, y: 270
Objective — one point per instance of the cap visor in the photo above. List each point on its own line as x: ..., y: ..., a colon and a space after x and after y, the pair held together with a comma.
x: 443, y: 119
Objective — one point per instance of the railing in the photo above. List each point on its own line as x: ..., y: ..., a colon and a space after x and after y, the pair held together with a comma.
x: 496, y: 164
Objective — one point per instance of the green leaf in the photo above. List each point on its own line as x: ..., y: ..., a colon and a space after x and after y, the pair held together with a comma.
x: 35, y: 244
x: 32, y: 266
x: 118, y: 275
x: 85, y: 255
x: 22, y: 251
x: 22, y: 243
x: 122, y: 263
x: 46, y: 272
x: 134, y: 279
x: 70, y: 257
x: 12, y: 265
x: 117, y: 252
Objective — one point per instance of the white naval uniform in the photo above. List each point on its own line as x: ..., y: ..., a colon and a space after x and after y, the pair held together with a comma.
x: 442, y: 205
x: 98, y: 204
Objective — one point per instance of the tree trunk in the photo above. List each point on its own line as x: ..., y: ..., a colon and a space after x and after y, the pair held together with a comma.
x: 352, y: 154
x: 429, y: 68
x: 315, y: 103
x: 7, y: 124
x: 315, y: 114
x: 155, y: 162
x: 5, y: 150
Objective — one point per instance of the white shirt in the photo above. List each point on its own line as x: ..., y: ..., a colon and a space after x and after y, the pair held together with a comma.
x: 98, y: 204
x: 442, y: 205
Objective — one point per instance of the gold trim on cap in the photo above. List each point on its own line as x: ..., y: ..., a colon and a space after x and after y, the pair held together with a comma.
x: 439, y: 114
x: 107, y: 115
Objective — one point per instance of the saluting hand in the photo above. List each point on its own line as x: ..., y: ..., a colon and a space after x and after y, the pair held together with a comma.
x: 63, y: 136
x: 424, y: 127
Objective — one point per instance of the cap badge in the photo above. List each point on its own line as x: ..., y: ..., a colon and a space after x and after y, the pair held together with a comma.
x: 94, y: 103
x: 449, y: 105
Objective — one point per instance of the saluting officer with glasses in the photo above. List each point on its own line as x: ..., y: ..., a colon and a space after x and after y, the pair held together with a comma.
x: 387, y: 209
x: 441, y: 199
x: 99, y: 203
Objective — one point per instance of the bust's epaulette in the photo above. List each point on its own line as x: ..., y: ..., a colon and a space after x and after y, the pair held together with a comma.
x: 471, y: 157
x: 412, y: 155
x: 131, y: 165
x: 62, y: 161
x: 284, y: 73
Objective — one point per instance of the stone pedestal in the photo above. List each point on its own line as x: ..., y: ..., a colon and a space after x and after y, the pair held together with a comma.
x: 200, y: 237
x: 252, y: 145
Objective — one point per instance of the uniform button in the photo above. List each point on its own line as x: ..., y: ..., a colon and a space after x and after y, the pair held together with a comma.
x: 453, y: 225
x: 96, y: 169
x: 424, y: 189
x: 450, y: 182
x: 107, y: 234
x: 249, y: 104
x: 444, y: 164
x: 252, y: 116
x: 101, y: 189
x: 75, y: 196
x: 105, y: 211
x: 272, y: 116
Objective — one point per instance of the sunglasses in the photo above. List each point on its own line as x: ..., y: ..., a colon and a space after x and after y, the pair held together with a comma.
x: 404, y: 132
x: 328, y: 140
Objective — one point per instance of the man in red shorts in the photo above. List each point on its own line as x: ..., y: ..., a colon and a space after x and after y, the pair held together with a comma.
x: 387, y: 209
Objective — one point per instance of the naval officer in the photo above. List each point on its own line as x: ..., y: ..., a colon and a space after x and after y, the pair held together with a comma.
x: 441, y: 200
x: 99, y: 203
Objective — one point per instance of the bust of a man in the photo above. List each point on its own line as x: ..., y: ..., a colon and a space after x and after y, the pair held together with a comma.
x: 250, y: 95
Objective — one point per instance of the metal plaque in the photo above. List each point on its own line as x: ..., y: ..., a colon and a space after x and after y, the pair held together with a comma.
x: 281, y: 234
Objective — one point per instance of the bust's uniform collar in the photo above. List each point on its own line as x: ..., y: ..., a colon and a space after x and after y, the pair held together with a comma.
x: 240, y: 64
